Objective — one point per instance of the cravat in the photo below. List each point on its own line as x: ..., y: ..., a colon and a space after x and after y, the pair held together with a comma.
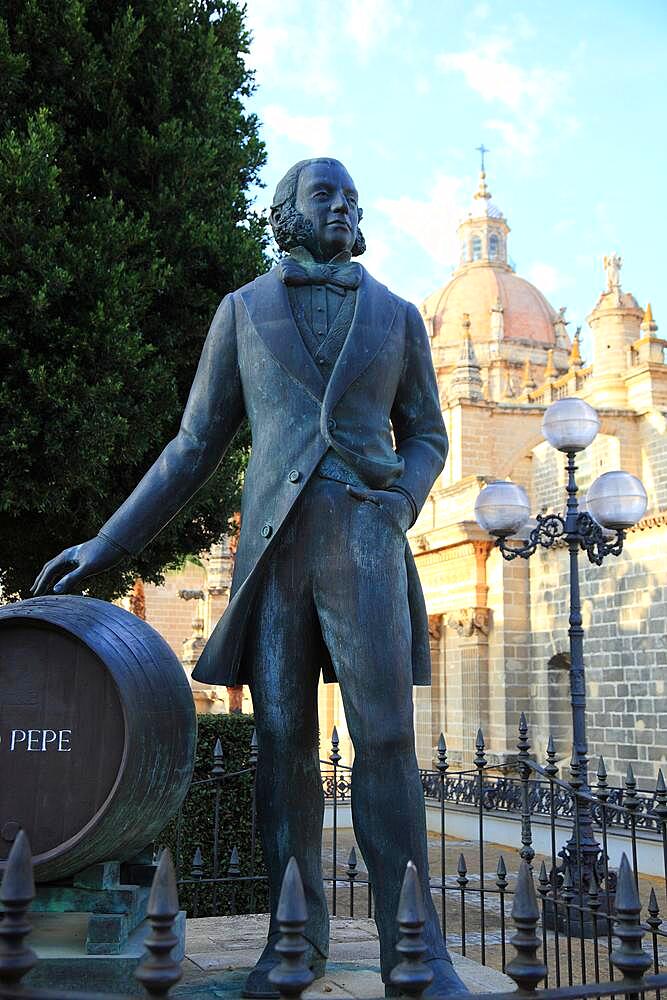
x: 337, y: 277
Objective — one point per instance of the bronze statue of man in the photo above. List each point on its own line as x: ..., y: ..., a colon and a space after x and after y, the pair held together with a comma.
x: 334, y: 373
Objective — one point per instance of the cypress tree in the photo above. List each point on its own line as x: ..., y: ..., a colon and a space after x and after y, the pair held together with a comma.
x: 127, y: 159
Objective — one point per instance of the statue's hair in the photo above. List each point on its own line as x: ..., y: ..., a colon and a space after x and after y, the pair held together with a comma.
x: 290, y: 227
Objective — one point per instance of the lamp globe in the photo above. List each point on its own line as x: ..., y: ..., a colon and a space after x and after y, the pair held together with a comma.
x: 617, y: 500
x: 570, y: 424
x: 502, y: 508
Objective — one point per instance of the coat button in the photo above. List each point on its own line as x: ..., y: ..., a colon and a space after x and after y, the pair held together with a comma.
x: 294, y: 476
x: 331, y: 424
x: 267, y: 531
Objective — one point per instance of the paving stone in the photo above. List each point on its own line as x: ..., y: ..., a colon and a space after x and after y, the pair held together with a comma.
x: 221, y: 953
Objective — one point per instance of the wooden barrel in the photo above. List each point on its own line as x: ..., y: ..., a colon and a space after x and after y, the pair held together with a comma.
x: 97, y: 732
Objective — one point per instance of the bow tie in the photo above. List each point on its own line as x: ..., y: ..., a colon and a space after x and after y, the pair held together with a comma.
x: 337, y: 277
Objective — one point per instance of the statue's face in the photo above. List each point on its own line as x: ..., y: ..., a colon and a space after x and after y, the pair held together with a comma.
x: 327, y: 197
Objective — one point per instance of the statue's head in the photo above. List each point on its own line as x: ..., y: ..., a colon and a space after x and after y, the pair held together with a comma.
x: 315, y: 205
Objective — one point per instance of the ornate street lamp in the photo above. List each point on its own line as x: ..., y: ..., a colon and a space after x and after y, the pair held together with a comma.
x: 615, y: 501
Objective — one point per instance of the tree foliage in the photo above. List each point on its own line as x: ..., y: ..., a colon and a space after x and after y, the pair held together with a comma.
x: 126, y: 161
x: 194, y: 826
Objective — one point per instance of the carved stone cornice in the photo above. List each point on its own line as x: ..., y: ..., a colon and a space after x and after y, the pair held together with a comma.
x: 467, y: 621
x: 435, y: 626
x: 658, y: 520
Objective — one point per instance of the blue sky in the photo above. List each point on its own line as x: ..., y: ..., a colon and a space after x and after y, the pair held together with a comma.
x: 570, y: 98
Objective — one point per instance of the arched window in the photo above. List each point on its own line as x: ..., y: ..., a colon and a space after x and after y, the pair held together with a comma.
x: 558, y: 700
x: 494, y: 247
x: 476, y: 247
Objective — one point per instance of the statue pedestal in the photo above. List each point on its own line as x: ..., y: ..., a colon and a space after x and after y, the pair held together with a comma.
x: 89, y: 931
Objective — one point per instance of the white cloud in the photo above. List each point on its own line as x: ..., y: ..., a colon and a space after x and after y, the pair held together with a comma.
x: 313, y: 132
x: 303, y: 49
x: 487, y: 70
x: 481, y: 11
x: 431, y: 222
x: 378, y: 258
x: 423, y: 85
x: 367, y: 24
x: 547, y: 278
x: 530, y: 96
x: 288, y: 47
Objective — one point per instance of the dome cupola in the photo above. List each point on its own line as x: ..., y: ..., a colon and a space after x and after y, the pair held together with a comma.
x: 483, y: 233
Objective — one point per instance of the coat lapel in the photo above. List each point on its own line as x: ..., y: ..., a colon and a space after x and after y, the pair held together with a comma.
x: 270, y: 313
x: 372, y: 321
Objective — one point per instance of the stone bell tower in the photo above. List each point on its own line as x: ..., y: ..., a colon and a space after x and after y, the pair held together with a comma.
x: 615, y: 322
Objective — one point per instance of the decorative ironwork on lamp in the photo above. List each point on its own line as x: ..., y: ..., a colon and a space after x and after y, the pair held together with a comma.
x: 615, y: 502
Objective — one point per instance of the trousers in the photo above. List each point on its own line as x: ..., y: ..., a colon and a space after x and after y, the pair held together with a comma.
x: 337, y: 577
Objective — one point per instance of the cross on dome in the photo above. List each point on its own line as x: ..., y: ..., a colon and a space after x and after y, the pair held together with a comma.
x: 483, y: 234
x: 482, y: 150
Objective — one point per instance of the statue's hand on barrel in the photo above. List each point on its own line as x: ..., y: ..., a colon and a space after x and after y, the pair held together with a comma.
x: 75, y: 564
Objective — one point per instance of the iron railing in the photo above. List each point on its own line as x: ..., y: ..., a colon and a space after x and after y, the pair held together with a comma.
x: 474, y: 883
x: 158, y: 971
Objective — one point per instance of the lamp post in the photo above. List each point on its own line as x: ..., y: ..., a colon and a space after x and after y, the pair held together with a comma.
x: 615, y: 502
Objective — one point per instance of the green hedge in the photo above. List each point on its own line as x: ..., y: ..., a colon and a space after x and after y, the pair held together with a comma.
x: 194, y: 828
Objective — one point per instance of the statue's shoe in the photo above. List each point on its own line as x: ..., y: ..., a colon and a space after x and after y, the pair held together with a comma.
x: 258, y: 985
x: 445, y: 983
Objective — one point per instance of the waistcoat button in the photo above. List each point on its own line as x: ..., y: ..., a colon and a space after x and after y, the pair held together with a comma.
x: 267, y: 530
x: 331, y: 424
x: 294, y: 476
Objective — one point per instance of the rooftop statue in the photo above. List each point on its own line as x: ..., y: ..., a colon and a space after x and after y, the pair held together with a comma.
x: 612, y: 265
x: 334, y: 373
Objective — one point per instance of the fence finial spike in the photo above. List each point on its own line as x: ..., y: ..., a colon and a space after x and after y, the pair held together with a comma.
x: 525, y: 968
x: 441, y: 742
x: 17, y: 892
x: 551, y: 746
x: 411, y: 902
x: 352, y: 858
x: 602, y: 770
x: 158, y: 971
x: 525, y: 905
x: 501, y: 874
x: 292, y: 900
x: 627, y: 897
x: 629, y: 957
x: 234, y: 865
x: 292, y: 976
x: 163, y: 899
x: 411, y: 975
x: 660, y: 785
x: 254, y: 748
x: 217, y: 770
x: 197, y: 870
x: 334, y: 735
x: 523, y: 723
x: 653, y: 907
x: 630, y: 776
x: 18, y: 884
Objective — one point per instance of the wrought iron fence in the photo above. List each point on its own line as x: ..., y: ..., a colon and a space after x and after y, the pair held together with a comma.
x: 629, y: 963
x: 474, y: 882
x: 527, y: 968
x: 157, y: 972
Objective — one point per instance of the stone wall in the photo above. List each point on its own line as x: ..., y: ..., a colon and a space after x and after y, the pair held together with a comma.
x: 169, y: 614
x: 624, y: 607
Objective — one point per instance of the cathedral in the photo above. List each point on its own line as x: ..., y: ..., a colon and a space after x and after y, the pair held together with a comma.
x: 498, y: 630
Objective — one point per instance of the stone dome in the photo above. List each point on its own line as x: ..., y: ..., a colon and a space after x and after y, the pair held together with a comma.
x: 477, y: 289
